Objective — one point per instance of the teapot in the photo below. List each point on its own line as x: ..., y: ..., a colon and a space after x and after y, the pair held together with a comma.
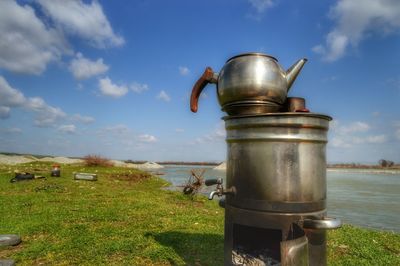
x: 249, y: 83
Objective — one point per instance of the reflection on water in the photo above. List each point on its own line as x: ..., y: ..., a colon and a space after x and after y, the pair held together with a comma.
x: 363, y: 199
x: 369, y: 200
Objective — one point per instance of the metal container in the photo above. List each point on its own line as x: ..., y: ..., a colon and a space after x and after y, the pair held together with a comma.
x: 249, y: 79
x: 296, y: 104
x: 275, y: 194
x: 277, y: 162
x: 85, y: 176
x: 55, y: 171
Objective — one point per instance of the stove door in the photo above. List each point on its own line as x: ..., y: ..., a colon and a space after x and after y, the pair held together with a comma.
x: 295, y: 252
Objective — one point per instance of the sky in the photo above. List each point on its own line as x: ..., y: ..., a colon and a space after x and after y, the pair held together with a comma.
x: 113, y: 78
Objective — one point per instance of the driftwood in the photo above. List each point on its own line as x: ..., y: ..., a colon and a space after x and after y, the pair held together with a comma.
x: 194, y: 183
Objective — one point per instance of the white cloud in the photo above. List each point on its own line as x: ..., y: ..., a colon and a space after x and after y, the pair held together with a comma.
x: 49, y: 118
x: 147, y: 138
x: 4, y: 112
x: 179, y: 130
x: 376, y: 114
x: 9, y: 96
x: 354, y: 20
x: 109, y: 89
x: 348, y: 141
x: 27, y: 45
x: 376, y: 139
x: 82, y: 119
x: 356, y: 133
x: 30, y: 42
x: 397, y: 133
x: 261, y: 5
x: 396, y: 125
x: 84, y: 20
x: 11, y: 130
x: 119, y: 130
x: 184, y: 71
x: 218, y: 134
x: 340, y: 142
x: 123, y: 135
x: 163, y: 96
x: 46, y: 115
x: 394, y: 82
x: 83, y: 68
x: 69, y: 129
x: 354, y: 127
x: 139, y: 88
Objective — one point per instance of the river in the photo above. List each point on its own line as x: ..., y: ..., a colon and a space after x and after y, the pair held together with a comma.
x: 364, y: 199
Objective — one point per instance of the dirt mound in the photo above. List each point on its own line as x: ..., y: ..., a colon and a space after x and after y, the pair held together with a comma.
x: 64, y: 160
x: 222, y: 166
x: 16, y: 159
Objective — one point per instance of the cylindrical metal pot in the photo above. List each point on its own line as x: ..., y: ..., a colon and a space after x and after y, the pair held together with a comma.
x: 277, y: 162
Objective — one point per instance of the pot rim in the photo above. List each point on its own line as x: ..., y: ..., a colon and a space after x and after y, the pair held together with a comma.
x: 251, y: 54
x: 281, y: 114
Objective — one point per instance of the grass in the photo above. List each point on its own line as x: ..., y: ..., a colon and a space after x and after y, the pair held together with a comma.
x: 127, y: 218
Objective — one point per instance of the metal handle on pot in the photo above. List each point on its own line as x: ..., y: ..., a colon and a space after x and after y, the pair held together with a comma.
x: 325, y: 223
x: 208, y: 77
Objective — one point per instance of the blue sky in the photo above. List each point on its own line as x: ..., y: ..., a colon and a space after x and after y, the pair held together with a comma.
x: 114, y: 77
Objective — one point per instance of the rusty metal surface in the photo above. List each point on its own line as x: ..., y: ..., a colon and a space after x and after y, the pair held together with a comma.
x: 296, y: 104
x: 198, y: 87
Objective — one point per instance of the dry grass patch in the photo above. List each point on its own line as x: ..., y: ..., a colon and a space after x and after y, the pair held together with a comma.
x: 97, y: 160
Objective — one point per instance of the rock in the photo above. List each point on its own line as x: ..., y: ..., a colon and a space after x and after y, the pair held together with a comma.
x: 9, y: 240
x: 7, y: 262
x: 222, y: 166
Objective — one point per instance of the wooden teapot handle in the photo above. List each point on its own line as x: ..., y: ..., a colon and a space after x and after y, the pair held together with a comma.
x: 207, y: 77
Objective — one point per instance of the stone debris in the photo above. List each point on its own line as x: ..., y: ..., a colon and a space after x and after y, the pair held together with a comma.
x: 17, y: 159
x: 222, y: 166
x: 148, y: 165
x: 253, y: 258
x: 122, y: 164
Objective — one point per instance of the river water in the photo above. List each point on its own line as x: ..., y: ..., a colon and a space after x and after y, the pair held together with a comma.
x: 364, y: 199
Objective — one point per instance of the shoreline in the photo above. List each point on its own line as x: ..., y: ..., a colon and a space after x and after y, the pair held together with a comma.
x: 17, y: 159
x: 365, y: 170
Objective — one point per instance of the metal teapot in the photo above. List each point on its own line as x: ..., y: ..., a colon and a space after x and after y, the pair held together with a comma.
x: 249, y: 83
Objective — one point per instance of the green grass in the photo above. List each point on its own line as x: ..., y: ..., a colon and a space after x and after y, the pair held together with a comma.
x: 127, y: 218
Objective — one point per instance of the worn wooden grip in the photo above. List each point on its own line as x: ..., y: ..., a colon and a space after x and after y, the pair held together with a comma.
x: 198, y: 88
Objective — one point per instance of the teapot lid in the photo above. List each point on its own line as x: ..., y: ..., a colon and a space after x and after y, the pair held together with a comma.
x: 251, y: 54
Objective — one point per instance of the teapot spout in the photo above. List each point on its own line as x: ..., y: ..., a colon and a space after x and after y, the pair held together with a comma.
x: 293, y: 71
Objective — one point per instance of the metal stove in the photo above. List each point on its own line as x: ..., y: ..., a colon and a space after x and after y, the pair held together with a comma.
x: 275, y: 191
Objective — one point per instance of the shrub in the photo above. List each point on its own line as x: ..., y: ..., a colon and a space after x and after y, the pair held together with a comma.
x: 96, y: 160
